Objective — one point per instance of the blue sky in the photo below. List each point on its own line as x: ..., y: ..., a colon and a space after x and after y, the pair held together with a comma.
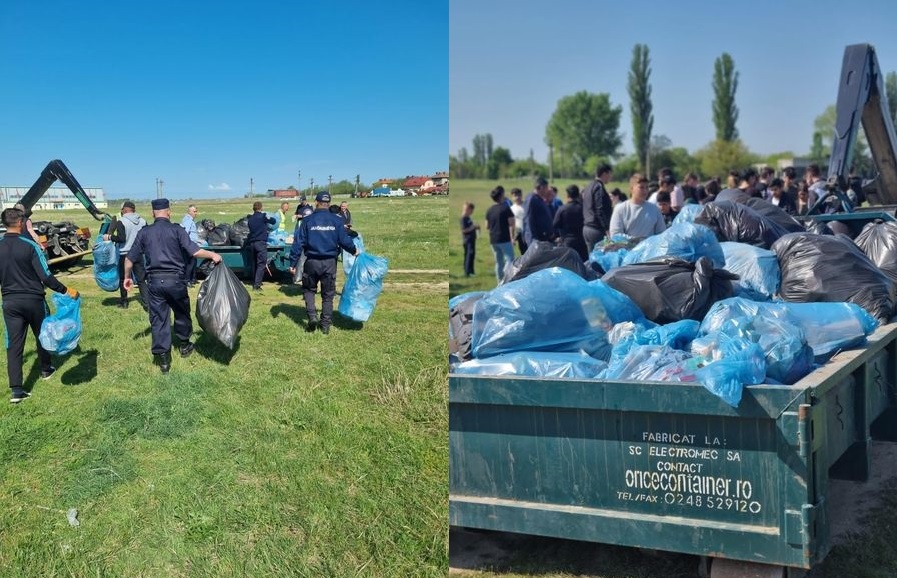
x: 510, y: 63
x: 207, y: 95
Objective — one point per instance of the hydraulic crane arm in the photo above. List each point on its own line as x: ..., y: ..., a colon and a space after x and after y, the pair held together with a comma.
x: 57, y: 171
x: 862, y: 98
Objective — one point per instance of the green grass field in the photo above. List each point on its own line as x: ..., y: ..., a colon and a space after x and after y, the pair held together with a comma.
x: 294, y: 455
x: 870, y: 552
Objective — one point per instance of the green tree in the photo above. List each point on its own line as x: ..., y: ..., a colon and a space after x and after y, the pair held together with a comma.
x: 818, y: 151
x: 720, y: 156
x: 725, y: 83
x: 584, y: 125
x: 891, y: 93
x: 640, y: 105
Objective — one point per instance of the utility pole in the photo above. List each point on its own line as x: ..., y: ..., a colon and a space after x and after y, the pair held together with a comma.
x: 312, y: 186
x: 251, y: 187
x: 357, y: 179
x: 329, y: 181
x: 157, y: 188
x: 299, y: 181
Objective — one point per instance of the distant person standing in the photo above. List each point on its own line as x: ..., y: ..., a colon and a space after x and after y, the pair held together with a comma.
x: 166, y: 247
x: 536, y: 214
x: 554, y: 203
x: 517, y: 209
x: 469, y: 237
x: 23, y: 276
x: 637, y: 217
x: 345, y: 214
x: 123, y: 236
x: 596, y: 207
x: 500, y: 222
x: 320, y: 237
x: 282, y: 217
x: 302, y: 208
x: 257, y: 243
x: 568, y: 223
x: 188, y: 222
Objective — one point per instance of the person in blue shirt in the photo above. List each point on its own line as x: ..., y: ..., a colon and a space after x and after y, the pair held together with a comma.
x: 166, y: 248
x: 257, y: 243
x: 188, y: 222
x: 319, y: 237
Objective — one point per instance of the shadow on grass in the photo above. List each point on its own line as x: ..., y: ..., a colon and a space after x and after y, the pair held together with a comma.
x: 110, y: 301
x: 297, y: 314
x: 214, y: 350
x: 84, y: 370
x: 290, y: 289
x: 144, y: 333
x: 343, y: 322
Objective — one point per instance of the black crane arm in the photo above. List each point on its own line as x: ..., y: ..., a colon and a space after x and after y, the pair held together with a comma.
x: 862, y: 98
x: 57, y: 171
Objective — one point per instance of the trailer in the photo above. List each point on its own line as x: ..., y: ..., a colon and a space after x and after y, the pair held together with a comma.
x: 667, y: 466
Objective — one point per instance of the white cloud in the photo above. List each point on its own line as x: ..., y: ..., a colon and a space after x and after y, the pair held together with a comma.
x: 219, y: 187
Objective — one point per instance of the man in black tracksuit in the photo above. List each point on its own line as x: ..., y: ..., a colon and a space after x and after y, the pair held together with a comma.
x: 23, y: 276
x: 166, y: 247
x: 596, y: 207
x: 257, y: 243
x: 320, y: 236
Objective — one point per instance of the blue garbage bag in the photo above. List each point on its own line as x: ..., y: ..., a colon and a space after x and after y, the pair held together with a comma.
x: 687, y: 213
x: 60, y: 332
x: 349, y: 260
x: 363, y: 286
x: 757, y: 269
x: 736, y: 362
x: 828, y: 327
x: 553, y: 309
x: 784, y: 344
x: 535, y: 364
x: 105, y: 265
x: 652, y: 363
x: 678, y: 335
x: 686, y: 241
x: 609, y: 260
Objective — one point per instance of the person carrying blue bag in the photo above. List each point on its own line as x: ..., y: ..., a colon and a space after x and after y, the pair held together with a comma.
x: 23, y: 276
x: 320, y: 236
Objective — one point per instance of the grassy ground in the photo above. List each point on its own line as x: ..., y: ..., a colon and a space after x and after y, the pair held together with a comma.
x: 868, y: 553
x: 294, y: 455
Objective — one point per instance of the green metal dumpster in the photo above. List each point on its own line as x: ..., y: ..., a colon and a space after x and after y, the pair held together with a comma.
x: 669, y: 466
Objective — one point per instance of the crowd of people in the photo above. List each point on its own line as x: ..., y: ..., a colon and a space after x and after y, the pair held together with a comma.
x: 159, y: 258
x: 593, y: 213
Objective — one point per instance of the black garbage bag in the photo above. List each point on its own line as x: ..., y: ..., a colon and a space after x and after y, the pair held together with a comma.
x: 222, y: 306
x: 740, y: 223
x: 219, y: 236
x: 239, y: 232
x: 878, y: 240
x: 774, y: 213
x: 824, y: 268
x: 542, y: 255
x: 817, y: 227
x: 671, y: 289
x: 460, y: 323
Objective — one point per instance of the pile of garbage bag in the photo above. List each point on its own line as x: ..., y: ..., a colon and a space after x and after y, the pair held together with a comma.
x: 734, y: 299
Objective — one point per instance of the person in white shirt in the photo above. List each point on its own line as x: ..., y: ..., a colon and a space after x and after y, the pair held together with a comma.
x: 637, y: 217
x: 517, y: 209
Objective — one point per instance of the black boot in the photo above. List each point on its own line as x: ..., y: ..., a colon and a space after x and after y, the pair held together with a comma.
x: 163, y: 360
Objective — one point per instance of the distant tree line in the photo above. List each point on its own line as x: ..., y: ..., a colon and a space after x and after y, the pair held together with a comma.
x: 584, y: 131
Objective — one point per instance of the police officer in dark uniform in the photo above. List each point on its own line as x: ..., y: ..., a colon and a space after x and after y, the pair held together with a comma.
x: 319, y: 237
x: 23, y: 276
x: 257, y: 243
x: 167, y: 247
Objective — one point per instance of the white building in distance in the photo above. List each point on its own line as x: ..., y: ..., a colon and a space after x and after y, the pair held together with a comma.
x: 54, y: 198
